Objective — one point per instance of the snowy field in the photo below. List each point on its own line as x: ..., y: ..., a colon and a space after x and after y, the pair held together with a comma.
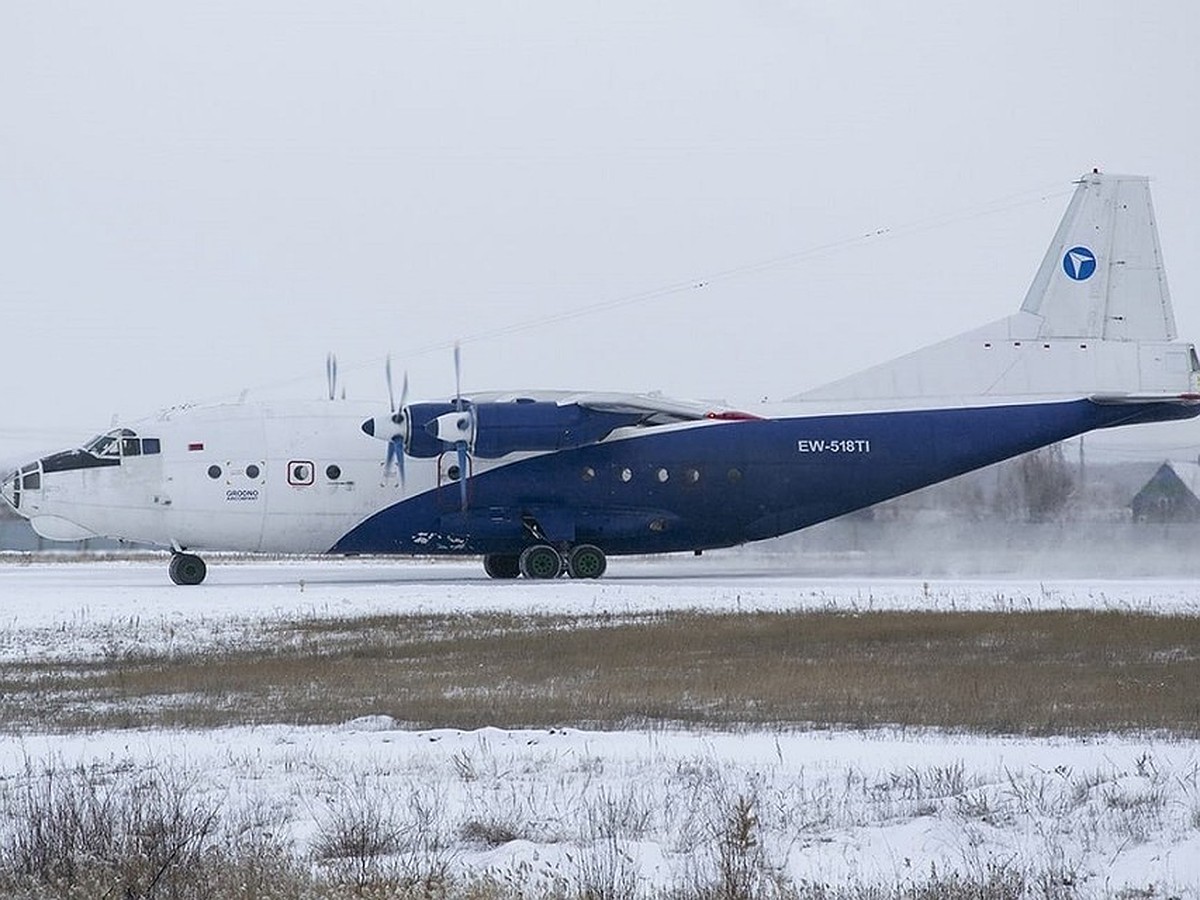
x: 1105, y: 817
x: 97, y: 609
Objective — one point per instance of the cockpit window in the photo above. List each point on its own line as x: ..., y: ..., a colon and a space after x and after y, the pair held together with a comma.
x: 122, y: 442
x: 104, y: 445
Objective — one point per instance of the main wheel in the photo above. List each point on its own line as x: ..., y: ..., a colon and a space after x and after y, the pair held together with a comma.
x: 187, y: 569
x: 502, y: 565
x: 541, y: 561
x: 586, y: 561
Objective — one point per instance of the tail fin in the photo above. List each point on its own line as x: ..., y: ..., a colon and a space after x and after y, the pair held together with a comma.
x: 1097, y: 320
x: 1103, y: 275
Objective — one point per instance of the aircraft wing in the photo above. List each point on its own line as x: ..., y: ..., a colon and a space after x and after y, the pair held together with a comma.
x: 656, y: 408
x: 1123, y: 399
x: 653, y: 405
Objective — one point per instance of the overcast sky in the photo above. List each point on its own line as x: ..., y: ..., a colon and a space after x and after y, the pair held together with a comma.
x: 197, y: 199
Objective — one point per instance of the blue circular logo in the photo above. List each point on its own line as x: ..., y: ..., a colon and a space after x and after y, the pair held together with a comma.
x: 1079, y: 263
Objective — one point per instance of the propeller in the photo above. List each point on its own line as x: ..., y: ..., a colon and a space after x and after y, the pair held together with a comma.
x: 331, y: 374
x: 455, y: 428
x: 460, y: 445
x: 395, y: 444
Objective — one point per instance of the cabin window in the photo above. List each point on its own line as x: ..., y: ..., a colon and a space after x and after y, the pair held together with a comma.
x: 735, y: 475
x: 691, y: 476
x: 627, y: 475
x: 333, y: 473
x: 663, y: 475
x: 588, y: 473
x: 252, y: 471
x: 214, y: 472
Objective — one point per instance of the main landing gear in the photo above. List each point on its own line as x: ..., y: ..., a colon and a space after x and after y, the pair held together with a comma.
x: 187, y: 568
x: 541, y: 561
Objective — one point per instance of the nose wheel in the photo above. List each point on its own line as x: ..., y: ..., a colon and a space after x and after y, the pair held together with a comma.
x: 186, y: 568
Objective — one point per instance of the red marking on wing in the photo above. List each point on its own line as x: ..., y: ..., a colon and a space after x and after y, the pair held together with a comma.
x: 732, y: 415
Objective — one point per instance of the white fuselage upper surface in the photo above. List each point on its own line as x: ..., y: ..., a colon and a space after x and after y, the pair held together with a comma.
x: 288, y: 477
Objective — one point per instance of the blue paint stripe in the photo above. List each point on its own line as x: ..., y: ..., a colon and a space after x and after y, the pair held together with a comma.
x: 753, y: 479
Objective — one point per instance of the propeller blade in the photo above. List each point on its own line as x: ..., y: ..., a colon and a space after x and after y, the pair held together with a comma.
x: 387, y: 368
x: 391, y: 454
x: 461, y: 446
x: 457, y: 376
x: 329, y: 374
x: 395, y: 451
x: 404, y: 392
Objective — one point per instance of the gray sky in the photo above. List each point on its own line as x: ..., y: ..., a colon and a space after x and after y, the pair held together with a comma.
x: 196, y: 199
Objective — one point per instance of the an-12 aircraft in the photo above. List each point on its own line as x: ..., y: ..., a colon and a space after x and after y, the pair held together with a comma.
x: 540, y: 483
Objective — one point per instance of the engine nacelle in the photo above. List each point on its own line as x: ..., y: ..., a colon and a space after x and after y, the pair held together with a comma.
x: 493, y: 430
x: 418, y: 441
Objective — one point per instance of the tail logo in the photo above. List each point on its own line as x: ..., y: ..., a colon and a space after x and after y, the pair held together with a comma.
x: 1079, y: 263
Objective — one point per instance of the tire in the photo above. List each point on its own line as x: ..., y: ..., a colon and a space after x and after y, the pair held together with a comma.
x: 541, y: 561
x: 502, y: 565
x: 187, y: 569
x: 586, y: 561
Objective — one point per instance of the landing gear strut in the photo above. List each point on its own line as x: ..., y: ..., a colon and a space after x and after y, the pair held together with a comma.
x: 186, y: 568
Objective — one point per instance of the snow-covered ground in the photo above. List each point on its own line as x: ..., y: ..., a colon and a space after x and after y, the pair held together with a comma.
x: 1096, y: 817
x: 95, y: 609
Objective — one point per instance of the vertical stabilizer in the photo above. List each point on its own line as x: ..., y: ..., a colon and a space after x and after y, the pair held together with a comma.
x: 1097, y: 321
x: 1103, y: 275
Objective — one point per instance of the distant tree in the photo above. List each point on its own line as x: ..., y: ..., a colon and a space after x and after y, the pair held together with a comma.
x: 964, y: 497
x: 1035, y: 487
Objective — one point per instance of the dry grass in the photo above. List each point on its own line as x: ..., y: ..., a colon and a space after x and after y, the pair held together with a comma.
x: 1032, y: 673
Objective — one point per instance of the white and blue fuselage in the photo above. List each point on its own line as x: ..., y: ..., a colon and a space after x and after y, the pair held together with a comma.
x: 536, y: 482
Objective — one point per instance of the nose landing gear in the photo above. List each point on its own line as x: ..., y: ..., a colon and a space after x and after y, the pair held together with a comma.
x: 186, y: 568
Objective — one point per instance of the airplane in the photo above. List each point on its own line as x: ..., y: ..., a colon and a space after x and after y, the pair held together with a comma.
x: 540, y: 483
